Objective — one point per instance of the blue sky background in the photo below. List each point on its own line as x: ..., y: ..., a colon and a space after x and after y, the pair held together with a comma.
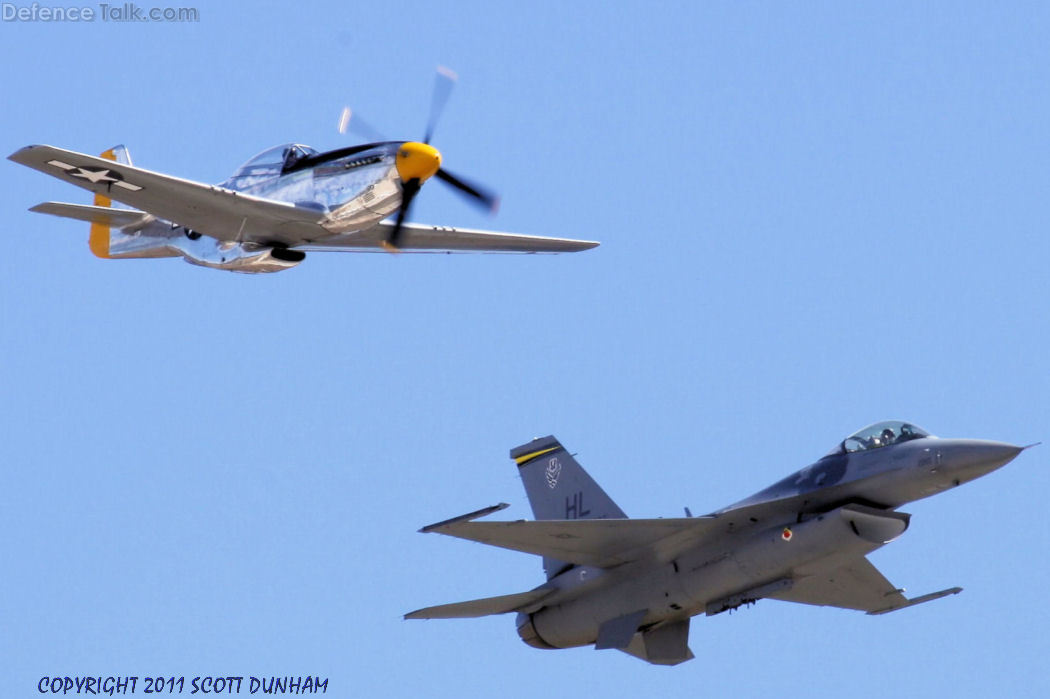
x: 813, y: 216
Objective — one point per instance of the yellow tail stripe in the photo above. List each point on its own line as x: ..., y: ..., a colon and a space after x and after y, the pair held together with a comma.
x: 98, y: 241
x: 529, y: 457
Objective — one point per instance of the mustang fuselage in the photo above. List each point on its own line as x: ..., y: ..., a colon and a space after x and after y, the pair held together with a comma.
x: 354, y: 188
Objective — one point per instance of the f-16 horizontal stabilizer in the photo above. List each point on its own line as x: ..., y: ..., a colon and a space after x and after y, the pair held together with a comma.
x: 483, y: 512
x: 482, y: 607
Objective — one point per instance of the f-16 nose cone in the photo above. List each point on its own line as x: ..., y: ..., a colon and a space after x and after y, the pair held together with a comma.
x: 417, y: 161
x: 972, y: 458
x: 992, y: 455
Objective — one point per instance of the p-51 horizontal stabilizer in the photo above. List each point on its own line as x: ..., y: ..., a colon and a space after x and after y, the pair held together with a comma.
x: 482, y: 607
x: 117, y: 218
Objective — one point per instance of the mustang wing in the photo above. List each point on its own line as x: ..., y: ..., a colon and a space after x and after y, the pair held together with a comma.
x: 855, y: 585
x: 422, y: 238
x: 214, y: 211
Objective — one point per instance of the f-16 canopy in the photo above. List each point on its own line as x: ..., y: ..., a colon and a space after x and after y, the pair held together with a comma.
x: 881, y: 434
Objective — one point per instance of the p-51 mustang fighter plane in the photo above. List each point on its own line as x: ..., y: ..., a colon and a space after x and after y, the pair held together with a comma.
x: 633, y: 584
x: 281, y: 204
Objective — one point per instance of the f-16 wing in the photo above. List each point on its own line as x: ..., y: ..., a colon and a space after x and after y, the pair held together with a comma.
x: 214, y: 211
x: 593, y: 542
x: 422, y: 238
x: 855, y: 585
x: 609, y: 542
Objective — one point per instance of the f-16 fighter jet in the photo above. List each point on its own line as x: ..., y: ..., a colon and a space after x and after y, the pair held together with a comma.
x: 633, y: 584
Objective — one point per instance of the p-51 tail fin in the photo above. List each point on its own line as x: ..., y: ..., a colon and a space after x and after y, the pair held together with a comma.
x: 117, y: 230
x: 99, y: 238
x: 559, y: 488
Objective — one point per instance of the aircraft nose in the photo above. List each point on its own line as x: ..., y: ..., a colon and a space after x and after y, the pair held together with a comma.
x: 972, y: 458
x: 417, y: 161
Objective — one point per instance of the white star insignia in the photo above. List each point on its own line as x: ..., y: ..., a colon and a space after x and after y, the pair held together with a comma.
x: 95, y: 176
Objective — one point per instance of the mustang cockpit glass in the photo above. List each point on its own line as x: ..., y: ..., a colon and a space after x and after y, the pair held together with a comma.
x: 268, y: 165
x: 294, y: 153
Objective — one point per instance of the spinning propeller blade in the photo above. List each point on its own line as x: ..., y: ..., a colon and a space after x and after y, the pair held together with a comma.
x: 409, y: 190
x: 348, y: 121
x: 443, y: 82
x: 489, y: 201
x: 418, y: 161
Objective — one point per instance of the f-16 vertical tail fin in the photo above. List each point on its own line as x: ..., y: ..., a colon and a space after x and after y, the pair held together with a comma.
x: 559, y: 488
x: 99, y: 239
